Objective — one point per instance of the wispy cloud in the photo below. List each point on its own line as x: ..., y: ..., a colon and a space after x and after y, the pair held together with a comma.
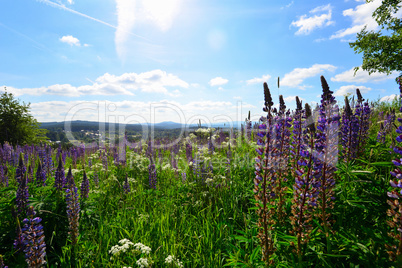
x: 298, y: 75
x: 258, y: 80
x: 307, y: 24
x: 35, y: 43
x: 218, y: 81
x: 63, y: 7
x: 362, y: 76
x: 288, y: 5
x: 361, y: 16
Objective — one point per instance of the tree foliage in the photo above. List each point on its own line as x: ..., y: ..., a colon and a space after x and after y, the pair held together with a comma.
x: 17, y: 125
x: 382, y: 50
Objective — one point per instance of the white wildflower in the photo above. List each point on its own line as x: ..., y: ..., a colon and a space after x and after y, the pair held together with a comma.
x: 131, y: 180
x: 171, y: 259
x: 141, y: 247
x: 142, y: 262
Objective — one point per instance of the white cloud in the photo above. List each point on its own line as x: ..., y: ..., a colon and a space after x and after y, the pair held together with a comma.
x: 163, y: 110
x: 298, y: 75
x: 258, y: 80
x: 291, y: 99
x: 389, y: 98
x: 155, y: 81
x: 350, y: 89
x: 307, y: 24
x: 362, y: 76
x: 71, y: 40
x: 361, y: 16
x: 70, y: 2
x: 218, y: 81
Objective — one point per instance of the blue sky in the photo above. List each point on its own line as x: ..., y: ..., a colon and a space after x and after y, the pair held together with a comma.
x: 175, y: 60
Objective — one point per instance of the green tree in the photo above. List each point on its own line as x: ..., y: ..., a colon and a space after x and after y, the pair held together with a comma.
x: 17, y: 125
x: 382, y: 50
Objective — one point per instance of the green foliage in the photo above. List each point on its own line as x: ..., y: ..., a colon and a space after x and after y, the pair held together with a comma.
x: 382, y: 50
x: 17, y: 126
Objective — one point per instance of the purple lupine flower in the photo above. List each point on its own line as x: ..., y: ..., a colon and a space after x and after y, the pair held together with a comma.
x: 297, y: 134
x: 73, y: 207
x: 40, y: 175
x: 4, y: 175
x: 18, y: 241
x: 248, y: 126
x: 84, y: 186
x: 126, y: 185
x: 326, y: 150
x: 387, y: 126
x: 363, y: 113
x: 20, y: 171
x: 22, y: 191
x: 264, y: 181
x: 280, y: 153
x: 59, y: 178
x: 74, y: 156
x: 395, y: 251
x: 189, y: 152
x: 150, y: 150
x: 305, y: 187
x: 49, y: 161
x: 183, y: 177
x: 34, y: 240
x: 96, y: 178
x: 349, y: 133
x: 105, y: 161
x: 30, y: 174
x: 152, y: 175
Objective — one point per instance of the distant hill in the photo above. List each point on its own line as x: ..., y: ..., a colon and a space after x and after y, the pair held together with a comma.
x: 79, y: 125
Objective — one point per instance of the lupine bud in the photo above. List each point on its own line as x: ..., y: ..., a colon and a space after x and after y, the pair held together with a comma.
x: 84, y: 186
x: 59, y: 178
x: 73, y: 207
x: 40, y: 175
x: 126, y: 186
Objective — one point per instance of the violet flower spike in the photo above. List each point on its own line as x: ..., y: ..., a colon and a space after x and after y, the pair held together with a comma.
x: 126, y: 185
x: 34, y: 240
x: 395, y: 251
x: 84, y: 187
x: 22, y: 195
x: 152, y: 175
x: 326, y: 150
x: 73, y: 208
x: 305, y: 188
x: 40, y: 175
x: 59, y: 177
x: 264, y: 181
